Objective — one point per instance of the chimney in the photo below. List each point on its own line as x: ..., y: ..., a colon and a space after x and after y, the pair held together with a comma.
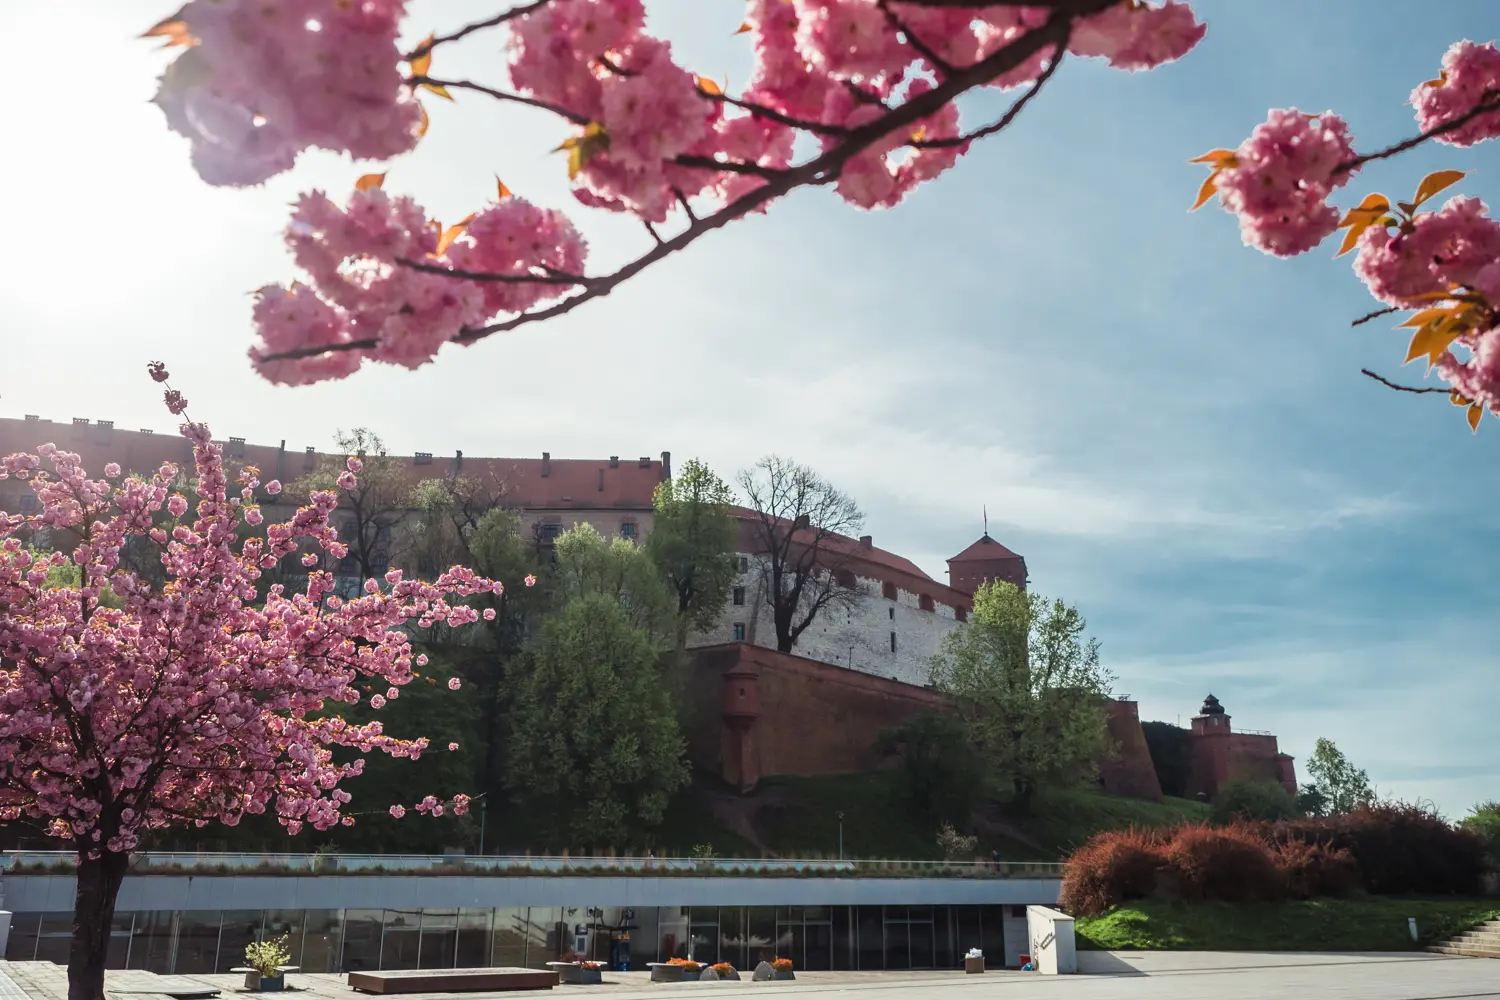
x: 666, y: 466
x: 281, y: 460
x: 614, y: 461
x: 546, y: 463
x: 236, y: 447
x: 802, y: 521
x: 645, y: 461
x: 147, y: 430
x: 309, y: 459
x: 32, y: 418
x: 601, y: 480
x: 422, y: 458
x: 458, y: 461
x: 866, y: 542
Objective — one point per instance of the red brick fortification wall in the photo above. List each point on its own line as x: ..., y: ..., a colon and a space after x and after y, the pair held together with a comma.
x: 1130, y: 772
x: 753, y: 712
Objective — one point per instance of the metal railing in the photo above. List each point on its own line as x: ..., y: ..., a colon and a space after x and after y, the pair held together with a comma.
x: 395, y: 864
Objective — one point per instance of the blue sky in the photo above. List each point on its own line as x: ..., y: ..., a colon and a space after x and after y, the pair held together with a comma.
x: 1171, y: 428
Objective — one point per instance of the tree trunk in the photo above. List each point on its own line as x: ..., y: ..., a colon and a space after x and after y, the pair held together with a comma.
x: 93, y: 914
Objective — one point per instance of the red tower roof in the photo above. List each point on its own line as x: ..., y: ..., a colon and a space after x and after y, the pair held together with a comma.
x: 984, y: 550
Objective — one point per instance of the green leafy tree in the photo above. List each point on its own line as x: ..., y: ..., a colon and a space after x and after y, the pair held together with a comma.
x: 941, y: 774
x: 1171, y: 749
x: 1030, y: 689
x: 1247, y: 798
x: 586, y: 565
x: 447, y: 512
x: 692, y: 543
x: 1337, y: 786
x: 595, y: 749
x: 1484, y: 819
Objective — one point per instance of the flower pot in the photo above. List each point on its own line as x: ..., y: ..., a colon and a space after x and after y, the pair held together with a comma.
x: 777, y: 974
x: 590, y: 977
x: 973, y: 965
x: 264, y: 984
x: 691, y: 975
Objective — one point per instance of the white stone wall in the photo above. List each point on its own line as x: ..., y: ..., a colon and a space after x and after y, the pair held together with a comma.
x: 858, y: 638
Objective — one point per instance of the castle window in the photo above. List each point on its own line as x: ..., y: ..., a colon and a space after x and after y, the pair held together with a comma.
x: 627, y: 530
x: 744, y: 564
x: 925, y: 602
x: 893, y: 642
x: 739, y: 597
x: 892, y: 612
x: 739, y: 631
x: 844, y: 578
x: 888, y: 590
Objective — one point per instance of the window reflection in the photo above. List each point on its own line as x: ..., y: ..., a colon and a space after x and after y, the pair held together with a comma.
x: 322, y: 939
x: 401, y: 939
x: 362, y: 932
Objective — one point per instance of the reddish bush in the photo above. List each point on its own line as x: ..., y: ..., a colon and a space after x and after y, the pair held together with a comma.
x: 1399, y: 848
x: 1230, y: 863
x: 1312, y: 870
x: 1114, y: 867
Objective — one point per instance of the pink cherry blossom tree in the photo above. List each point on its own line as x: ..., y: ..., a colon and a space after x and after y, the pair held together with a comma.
x: 856, y: 95
x: 127, y: 707
x: 1441, y: 266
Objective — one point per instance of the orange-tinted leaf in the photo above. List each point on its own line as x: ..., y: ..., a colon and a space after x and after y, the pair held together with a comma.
x: 1351, y: 238
x: 1424, y: 317
x: 173, y: 30
x: 503, y: 192
x: 1218, y: 157
x: 1475, y: 412
x: 423, y: 62
x: 1207, y: 191
x: 1437, y: 181
x: 1432, y: 341
x: 1442, y: 78
x: 439, y: 90
x: 426, y: 121
x: 708, y: 86
x: 742, y: 28
x: 369, y: 181
x: 452, y: 233
x: 919, y: 134
x: 1459, y: 399
x: 1370, y: 209
x: 1434, y: 296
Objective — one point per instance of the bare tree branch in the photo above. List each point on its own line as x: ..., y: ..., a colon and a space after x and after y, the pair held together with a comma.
x: 1490, y: 102
x: 469, y: 29
x: 1404, y: 388
x: 551, y: 278
x: 1375, y: 315
x: 923, y: 49
x: 1009, y: 116
x: 501, y: 95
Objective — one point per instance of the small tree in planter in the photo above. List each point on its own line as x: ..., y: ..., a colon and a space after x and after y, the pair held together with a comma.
x: 781, y: 968
x: 266, y: 959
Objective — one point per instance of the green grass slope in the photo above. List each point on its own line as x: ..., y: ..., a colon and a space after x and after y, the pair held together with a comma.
x: 1362, y: 923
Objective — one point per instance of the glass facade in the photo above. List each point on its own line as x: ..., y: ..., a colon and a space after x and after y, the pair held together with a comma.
x: 813, y: 937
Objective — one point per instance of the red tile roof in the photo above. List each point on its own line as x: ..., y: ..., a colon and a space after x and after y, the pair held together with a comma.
x: 569, y: 484
x: 984, y: 550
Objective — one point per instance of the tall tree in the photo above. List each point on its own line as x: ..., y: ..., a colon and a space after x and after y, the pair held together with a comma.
x: 448, y: 511
x: 1337, y: 786
x: 595, y: 749
x: 369, y: 515
x: 188, y: 704
x: 586, y: 565
x: 692, y: 542
x: 1029, y: 687
x: 800, y: 518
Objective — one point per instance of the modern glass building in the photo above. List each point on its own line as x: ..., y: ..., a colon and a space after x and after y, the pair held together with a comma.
x: 186, y: 924
x: 813, y: 937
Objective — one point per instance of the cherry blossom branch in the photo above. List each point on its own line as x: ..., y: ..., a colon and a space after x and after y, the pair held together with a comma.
x: 923, y: 49
x: 1375, y: 315
x: 1490, y: 102
x: 1403, y: 388
x: 469, y: 29
x: 501, y: 95
x: 1009, y: 116
x: 553, y: 278
x: 762, y: 111
x: 821, y: 170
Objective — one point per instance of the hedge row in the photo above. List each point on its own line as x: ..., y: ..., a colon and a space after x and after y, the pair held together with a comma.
x: 1381, y: 849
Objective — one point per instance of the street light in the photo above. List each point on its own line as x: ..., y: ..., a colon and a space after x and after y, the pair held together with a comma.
x: 841, y: 835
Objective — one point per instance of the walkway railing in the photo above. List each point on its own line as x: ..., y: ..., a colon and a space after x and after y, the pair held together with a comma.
x: 169, y: 862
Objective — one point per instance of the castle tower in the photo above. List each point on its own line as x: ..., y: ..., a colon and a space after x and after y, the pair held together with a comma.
x: 1211, y: 718
x: 985, y: 560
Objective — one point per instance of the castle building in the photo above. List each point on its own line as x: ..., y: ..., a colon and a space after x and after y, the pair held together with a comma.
x: 1219, y: 754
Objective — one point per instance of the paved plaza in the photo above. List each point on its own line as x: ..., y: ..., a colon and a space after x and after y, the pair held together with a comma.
x: 1107, y: 976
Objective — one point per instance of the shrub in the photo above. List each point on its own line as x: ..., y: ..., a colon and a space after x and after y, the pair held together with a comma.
x: 1399, y: 848
x: 1484, y: 821
x: 954, y: 846
x: 1248, y: 799
x: 1312, y: 870
x: 781, y: 965
x: 1231, y: 863
x: 723, y: 970
x: 1112, y: 868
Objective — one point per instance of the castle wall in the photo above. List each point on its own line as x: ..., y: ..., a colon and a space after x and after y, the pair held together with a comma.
x: 858, y: 637
x: 1130, y: 772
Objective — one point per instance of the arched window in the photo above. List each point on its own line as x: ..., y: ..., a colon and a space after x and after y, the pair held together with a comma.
x: 925, y: 602
x: 888, y: 589
x: 844, y: 578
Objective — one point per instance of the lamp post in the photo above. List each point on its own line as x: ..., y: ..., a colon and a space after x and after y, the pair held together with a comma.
x: 841, y: 835
x: 482, y: 811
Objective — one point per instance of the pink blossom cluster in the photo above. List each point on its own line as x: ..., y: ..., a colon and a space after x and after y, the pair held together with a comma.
x: 1476, y: 377
x: 266, y: 79
x: 361, y: 285
x: 1457, y: 245
x: 207, y: 699
x: 1279, y: 179
x: 1470, y: 77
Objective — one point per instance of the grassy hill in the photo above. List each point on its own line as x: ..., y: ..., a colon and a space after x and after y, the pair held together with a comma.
x: 800, y: 817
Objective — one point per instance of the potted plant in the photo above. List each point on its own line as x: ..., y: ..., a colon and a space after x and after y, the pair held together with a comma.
x: 265, y: 959
x: 726, y: 971
x: 781, y: 968
x: 590, y: 973
x: 691, y: 970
